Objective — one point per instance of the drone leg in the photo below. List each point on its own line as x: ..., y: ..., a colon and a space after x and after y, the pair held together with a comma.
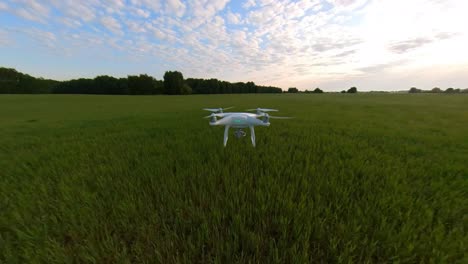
x: 226, y: 133
x: 252, y: 135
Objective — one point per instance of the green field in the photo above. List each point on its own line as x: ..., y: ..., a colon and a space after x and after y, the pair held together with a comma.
x: 133, y: 179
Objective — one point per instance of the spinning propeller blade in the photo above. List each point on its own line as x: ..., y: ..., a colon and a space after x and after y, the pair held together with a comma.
x: 274, y: 117
x: 281, y: 117
x: 217, y: 109
x: 263, y: 110
x: 214, y: 114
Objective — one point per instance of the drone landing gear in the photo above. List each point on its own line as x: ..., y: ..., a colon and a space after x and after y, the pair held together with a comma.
x: 252, y: 135
x: 238, y: 133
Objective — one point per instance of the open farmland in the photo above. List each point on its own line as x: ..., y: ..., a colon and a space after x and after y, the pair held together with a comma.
x: 131, y: 179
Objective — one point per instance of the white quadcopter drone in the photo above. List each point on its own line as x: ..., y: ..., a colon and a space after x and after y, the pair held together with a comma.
x: 240, y: 120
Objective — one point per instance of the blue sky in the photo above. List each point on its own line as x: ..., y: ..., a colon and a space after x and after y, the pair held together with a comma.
x: 332, y: 44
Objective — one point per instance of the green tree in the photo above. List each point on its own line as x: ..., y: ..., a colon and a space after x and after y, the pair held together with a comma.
x: 9, y: 79
x: 317, y: 90
x: 158, y: 86
x: 173, y: 82
x: 436, y: 90
x: 251, y: 87
x: 414, y: 90
x: 293, y: 90
x: 142, y: 84
x: 450, y: 90
x: 186, y: 89
x: 352, y: 90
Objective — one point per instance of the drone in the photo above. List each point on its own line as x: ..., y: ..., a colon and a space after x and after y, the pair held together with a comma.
x: 241, y: 120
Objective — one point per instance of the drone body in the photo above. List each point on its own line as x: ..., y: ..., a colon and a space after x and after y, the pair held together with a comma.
x: 240, y: 120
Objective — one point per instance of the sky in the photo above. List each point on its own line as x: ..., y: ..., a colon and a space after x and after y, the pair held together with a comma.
x: 332, y: 44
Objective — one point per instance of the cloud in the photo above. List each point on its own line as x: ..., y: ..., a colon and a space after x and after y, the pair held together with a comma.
x: 26, y: 14
x: 154, y: 5
x: 112, y: 24
x: 42, y: 37
x: 31, y: 10
x: 175, y: 7
x: 342, y: 2
x: 381, y: 67
x: 233, y: 18
x: 117, y: 3
x: 326, y: 44
x: 407, y: 45
x: 261, y: 40
x: 248, y: 4
x: 135, y: 26
x: 202, y: 11
x: 158, y: 33
x: 412, y: 44
x: 142, y: 13
x: 3, y: 6
x: 345, y: 53
x: 79, y: 10
x: 69, y: 22
x: 348, y: 5
x: 37, y: 8
x: 445, y: 35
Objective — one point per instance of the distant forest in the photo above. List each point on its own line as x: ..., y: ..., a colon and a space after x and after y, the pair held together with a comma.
x: 14, y: 82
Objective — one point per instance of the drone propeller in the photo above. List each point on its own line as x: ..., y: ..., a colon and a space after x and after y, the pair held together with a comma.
x: 266, y: 117
x: 276, y: 117
x: 280, y: 117
x: 215, y: 115
x: 263, y: 110
x: 218, y: 109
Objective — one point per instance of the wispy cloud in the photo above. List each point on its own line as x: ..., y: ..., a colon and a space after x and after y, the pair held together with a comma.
x: 407, y: 45
x: 248, y: 4
x: 378, y: 68
x: 411, y: 44
x: 112, y: 24
x: 175, y: 7
x: 233, y: 18
x: 3, y: 6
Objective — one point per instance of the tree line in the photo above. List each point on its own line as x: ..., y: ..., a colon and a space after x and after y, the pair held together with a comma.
x: 319, y: 91
x: 438, y: 90
x: 14, y: 82
x: 214, y: 86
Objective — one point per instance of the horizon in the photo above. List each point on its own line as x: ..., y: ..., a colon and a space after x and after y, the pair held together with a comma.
x: 332, y: 44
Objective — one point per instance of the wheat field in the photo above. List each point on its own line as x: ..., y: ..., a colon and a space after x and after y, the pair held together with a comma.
x: 364, y: 178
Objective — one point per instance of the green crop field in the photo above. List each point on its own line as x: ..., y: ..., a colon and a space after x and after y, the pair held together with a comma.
x: 144, y: 179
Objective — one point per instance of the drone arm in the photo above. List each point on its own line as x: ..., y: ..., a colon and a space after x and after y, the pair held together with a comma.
x: 252, y: 135
x: 226, y: 133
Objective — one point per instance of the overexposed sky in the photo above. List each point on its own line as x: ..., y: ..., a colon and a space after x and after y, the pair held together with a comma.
x: 332, y: 44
